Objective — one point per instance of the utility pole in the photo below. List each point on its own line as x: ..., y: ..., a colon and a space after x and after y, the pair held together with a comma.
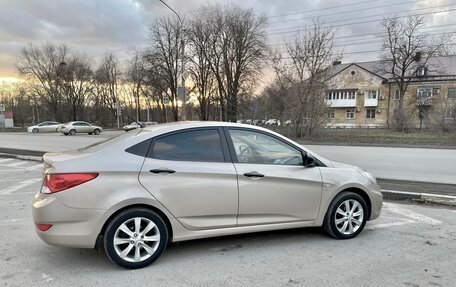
x: 182, y: 90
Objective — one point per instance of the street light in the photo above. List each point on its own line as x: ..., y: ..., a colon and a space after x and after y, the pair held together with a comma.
x: 183, y: 112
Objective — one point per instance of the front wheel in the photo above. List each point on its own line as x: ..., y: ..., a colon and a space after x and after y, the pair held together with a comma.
x: 96, y: 131
x: 135, y: 238
x: 35, y: 131
x: 346, y: 216
x: 72, y: 132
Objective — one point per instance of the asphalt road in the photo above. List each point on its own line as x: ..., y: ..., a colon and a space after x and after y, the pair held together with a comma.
x: 409, y: 245
x: 408, y: 164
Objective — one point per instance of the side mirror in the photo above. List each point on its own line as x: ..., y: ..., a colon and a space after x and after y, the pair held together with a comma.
x: 308, y: 160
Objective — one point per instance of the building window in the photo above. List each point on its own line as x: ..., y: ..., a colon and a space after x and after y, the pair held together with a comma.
x: 397, y: 94
x: 345, y: 95
x: 424, y: 92
x: 452, y: 93
x: 331, y: 115
x: 370, y: 113
x: 350, y: 114
x: 450, y: 112
x: 372, y: 95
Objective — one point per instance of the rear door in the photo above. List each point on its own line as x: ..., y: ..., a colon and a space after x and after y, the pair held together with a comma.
x: 274, y: 186
x: 190, y: 172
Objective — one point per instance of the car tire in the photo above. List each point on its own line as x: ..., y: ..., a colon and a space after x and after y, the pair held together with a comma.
x: 346, y: 216
x: 124, y: 242
x: 72, y: 132
x: 35, y: 131
x: 90, y: 134
x: 96, y: 131
x: 65, y: 134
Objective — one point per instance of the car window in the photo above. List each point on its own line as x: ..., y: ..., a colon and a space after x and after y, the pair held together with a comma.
x: 198, y: 145
x: 258, y: 148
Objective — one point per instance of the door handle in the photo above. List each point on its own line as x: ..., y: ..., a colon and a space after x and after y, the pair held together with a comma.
x: 160, y: 170
x: 253, y: 174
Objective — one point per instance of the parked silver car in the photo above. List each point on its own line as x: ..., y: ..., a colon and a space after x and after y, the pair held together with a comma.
x: 172, y: 182
x: 44, y: 127
x: 71, y: 128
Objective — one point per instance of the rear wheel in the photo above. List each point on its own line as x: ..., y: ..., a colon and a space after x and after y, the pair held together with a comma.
x: 35, y: 131
x: 346, y: 216
x: 135, y: 238
x: 72, y: 132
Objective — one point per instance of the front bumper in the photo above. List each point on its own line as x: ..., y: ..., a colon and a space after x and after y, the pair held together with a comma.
x: 72, y: 227
x: 376, y: 198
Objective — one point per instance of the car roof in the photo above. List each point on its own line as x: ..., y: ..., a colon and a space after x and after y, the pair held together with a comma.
x: 175, y: 126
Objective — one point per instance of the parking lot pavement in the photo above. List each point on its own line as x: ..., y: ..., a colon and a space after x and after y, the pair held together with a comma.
x: 409, y: 245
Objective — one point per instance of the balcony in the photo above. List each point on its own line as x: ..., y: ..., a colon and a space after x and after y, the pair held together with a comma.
x: 341, y: 103
x: 370, y: 102
x: 423, y: 101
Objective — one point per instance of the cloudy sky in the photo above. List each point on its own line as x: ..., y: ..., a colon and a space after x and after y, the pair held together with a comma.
x: 95, y: 26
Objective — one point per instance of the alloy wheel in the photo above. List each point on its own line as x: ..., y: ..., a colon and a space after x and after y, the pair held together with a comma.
x: 349, y: 216
x: 136, y: 239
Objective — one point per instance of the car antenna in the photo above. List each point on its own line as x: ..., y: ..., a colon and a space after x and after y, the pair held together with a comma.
x: 135, y: 121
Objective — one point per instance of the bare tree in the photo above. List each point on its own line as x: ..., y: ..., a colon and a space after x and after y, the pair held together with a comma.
x: 77, y: 84
x: 237, y: 42
x: 199, y: 43
x: 136, y: 77
x: 301, y: 71
x: 407, y: 53
x: 165, y: 46
x: 106, y: 87
x: 44, y: 64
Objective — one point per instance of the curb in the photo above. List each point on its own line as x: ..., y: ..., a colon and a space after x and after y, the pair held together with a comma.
x: 21, y: 152
x: 24, y: 157
x: 401, y: 195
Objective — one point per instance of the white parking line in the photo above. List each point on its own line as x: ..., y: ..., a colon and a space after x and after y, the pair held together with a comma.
x: 36, y: 166
x: 385, y: 225
x: 20, y: 185
x: 18, y: 163
x: 395, y: 208
x: 6, y: 160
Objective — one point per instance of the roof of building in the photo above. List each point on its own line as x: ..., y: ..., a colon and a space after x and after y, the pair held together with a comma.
x: 442, y: 67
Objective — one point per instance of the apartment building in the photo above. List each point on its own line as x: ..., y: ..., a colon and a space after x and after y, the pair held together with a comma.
x: 361, y: 95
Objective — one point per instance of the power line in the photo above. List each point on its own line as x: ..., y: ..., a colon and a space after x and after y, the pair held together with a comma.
x: 368, y: 51
x: 321, y: 9
x: 375, y: 34
x: 361, y: 22
x: 351, y: 11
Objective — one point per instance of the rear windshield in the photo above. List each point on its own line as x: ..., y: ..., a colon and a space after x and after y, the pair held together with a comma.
x: 103, y: 143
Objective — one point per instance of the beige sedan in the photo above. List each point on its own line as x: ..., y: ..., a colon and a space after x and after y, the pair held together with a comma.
x: 72, y: 128
x: 172, y: 182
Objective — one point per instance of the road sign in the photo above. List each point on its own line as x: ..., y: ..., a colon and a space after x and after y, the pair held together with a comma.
x: 2, y: 107
x: 165, y: 100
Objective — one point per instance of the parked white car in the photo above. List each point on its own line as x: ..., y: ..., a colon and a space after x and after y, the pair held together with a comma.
x: 272, y: 122
x: 44, y: 127
x: 71, y: 128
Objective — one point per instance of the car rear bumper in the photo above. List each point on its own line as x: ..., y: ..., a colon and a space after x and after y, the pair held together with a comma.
x: 72, y: 227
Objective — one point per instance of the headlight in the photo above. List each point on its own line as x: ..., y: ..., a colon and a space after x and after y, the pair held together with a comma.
x: 369, y: 176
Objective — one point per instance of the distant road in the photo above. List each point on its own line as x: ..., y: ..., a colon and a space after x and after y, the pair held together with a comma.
x: 410, y: 164
x: 413, y: 164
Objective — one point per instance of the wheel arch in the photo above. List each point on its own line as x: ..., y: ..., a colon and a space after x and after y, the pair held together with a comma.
x: 99, y: 241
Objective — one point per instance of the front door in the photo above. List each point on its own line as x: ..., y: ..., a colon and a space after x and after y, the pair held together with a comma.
x: 274, y: 186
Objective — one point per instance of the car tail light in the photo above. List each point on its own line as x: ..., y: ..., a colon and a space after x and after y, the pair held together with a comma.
x: 60, y: 181
x: 43, y: 227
